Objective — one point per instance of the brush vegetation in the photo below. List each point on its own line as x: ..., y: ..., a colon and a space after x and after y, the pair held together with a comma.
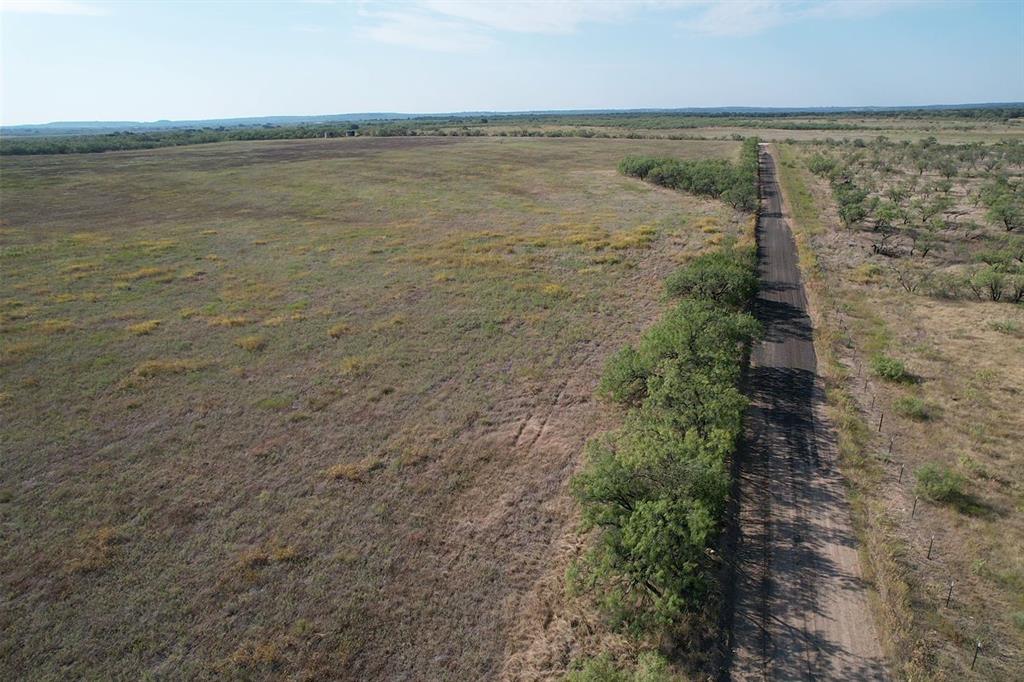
x: 655, y: 489
x: 720, y: 179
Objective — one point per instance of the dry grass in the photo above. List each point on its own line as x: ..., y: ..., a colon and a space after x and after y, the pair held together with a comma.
x: 354, y: 364
x: 339, y: 330
x: 263, y: 556
x: 147, y: 273
x: 95, y: 551
x: 252, y: 343
x: 353, y: 471
x: 229, y: 321
x: 453, y: 410
x: 143, y: 328
x: 54, y: 326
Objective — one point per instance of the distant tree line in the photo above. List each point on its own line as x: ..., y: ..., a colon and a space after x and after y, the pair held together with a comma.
x: 607, y: 124
x: 123, y: 141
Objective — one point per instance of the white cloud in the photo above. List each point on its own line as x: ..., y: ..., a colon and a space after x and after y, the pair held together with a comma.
x: 459, y: 25
x: 51, y: 7
x: 739, y: 18
x: 456, y: 26
x: 421, y: 30
x: 531, y: 16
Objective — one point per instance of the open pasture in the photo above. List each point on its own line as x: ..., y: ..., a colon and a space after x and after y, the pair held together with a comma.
x: 302, y: 407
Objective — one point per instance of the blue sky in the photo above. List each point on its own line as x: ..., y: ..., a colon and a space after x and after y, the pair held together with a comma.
x: 85, y: 60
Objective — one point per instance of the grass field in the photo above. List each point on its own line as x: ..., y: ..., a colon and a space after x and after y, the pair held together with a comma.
x: 309, y: 408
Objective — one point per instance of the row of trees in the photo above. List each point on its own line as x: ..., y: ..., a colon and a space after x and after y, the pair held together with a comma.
x: 736, y: 184
x: 656, y: 489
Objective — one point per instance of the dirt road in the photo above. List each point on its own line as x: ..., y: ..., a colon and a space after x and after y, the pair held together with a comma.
x: 801, y: 608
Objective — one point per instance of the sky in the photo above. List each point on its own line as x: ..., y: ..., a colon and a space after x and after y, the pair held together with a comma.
x: 71, y: 60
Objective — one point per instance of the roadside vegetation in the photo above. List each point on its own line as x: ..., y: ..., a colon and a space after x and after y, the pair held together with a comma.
x: 719, y: 179
x: 654, y: 491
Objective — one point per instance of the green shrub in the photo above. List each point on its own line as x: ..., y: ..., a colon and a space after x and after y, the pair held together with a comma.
x: 736, y: 184
x: 725, y: 277
x: 640, y: 166
x: 822, y: 165
x: 696, y: 349
x: 938, y: 483
x: 597, y: 669
x: 650, y: 667
x: 657, y: 495
x: 624, y: 380
x: 989, y: 282
x: 889, y: 368
x: 852, y: 200
x: 911, y: 407
x: 657, y: 487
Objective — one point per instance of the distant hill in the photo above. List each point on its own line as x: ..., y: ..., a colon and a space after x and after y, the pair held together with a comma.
x: 101, y: 127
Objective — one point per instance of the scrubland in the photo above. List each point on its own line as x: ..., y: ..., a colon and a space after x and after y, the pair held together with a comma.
x: 916, y: 282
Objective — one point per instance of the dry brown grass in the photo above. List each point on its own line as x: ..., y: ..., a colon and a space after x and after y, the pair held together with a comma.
x: 263, y: 556
x: 147, y: 273
x: 339, y: 330
x: 354, y: 364
x: 463, y: 404
x: 143, y: 328
x: 229, y: 321
x: 55, y: 326
x: 353, y: 471
x: 13, y: 352
x: 252, y: 343
x: 95, y: 551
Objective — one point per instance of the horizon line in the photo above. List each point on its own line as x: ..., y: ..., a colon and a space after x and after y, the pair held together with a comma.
x: 382, y: 115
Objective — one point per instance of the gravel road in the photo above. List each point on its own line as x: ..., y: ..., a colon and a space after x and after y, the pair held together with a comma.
x: 800, y: 604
